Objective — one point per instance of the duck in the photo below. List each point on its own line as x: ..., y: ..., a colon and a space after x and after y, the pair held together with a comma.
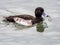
x: 26, y: 19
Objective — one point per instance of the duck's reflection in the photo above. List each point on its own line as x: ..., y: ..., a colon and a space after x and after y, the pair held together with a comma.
x: 40, y: 27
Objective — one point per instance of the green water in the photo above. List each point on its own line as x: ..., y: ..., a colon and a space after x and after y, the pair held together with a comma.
x: 40, y: 27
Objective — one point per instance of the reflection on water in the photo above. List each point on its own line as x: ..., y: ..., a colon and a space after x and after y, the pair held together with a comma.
x: 39, y: 26
x: 18, y: 26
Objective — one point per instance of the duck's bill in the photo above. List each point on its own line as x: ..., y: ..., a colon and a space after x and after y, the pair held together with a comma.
x: 44, y: 14
x: 47, y: 16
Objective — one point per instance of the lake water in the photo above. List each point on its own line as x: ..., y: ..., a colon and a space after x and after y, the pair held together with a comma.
x: 10, y: 34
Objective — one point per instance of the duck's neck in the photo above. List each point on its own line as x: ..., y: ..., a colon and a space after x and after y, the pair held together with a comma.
x: 39, y: 18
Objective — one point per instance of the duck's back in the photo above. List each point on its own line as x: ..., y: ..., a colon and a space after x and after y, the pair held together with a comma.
x: 25, y: 16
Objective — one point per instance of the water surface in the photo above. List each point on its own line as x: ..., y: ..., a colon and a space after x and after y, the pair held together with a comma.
x: 10, y: 35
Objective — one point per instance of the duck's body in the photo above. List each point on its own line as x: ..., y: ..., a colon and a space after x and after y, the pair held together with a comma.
x: 25, y: 17
x: 38, y: 17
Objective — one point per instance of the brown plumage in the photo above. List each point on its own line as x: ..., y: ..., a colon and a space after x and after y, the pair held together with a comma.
x: 38, y: 16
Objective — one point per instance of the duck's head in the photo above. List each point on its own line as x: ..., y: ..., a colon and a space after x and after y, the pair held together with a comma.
x: 38, y: 12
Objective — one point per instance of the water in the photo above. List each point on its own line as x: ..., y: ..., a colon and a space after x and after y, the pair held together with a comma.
x: 11, y: 35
